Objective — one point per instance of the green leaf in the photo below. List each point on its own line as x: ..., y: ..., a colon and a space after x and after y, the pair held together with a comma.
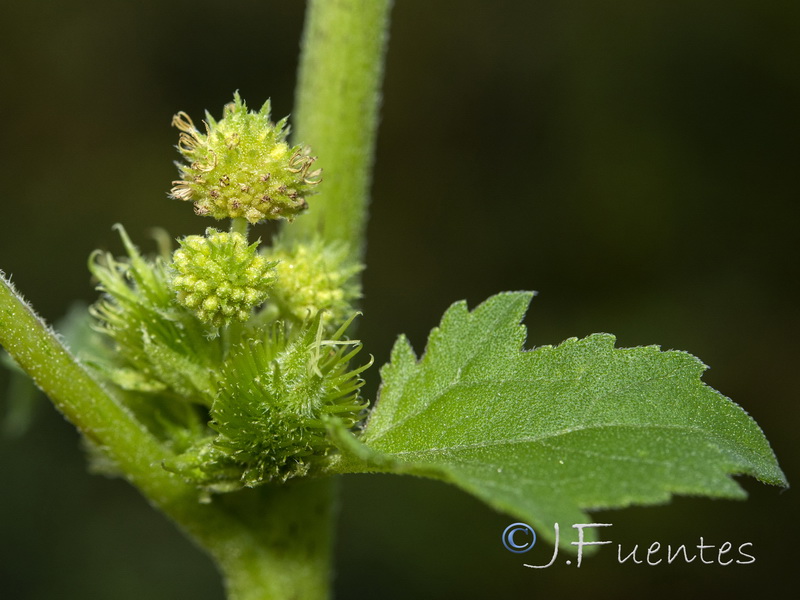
x: 549, y: 433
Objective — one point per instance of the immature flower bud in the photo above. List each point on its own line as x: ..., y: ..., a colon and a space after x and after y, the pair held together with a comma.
x: 242, y: 166
x: 315, y: 277
x: 219, y: 277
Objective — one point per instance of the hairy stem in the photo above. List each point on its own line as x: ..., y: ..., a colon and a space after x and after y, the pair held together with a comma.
x: 75, y: 393
x: 270, y: 544
x: 292, y: 525
x: 336, y: 113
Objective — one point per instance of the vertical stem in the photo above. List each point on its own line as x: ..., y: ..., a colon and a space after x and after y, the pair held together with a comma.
x: 336, y: 113
x: 292, y: 525
x: 240, y: 225
x: 289, y: 551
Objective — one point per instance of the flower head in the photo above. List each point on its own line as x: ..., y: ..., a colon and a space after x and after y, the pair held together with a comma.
x: 219, y: 277
x: 313, y: 278
x: 242, y: 166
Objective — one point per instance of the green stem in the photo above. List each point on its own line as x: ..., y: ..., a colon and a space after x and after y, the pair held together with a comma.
x: 293, y: 527
x: 336, y: 113
x: 240, y: 225
x: 74, y: 392
x: 269, y: 544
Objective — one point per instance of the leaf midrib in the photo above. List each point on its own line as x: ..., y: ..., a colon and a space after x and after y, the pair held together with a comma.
x: 551, y: 435
x: 459, y: 383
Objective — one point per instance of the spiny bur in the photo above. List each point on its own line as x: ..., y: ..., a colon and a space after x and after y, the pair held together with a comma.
x: 277, y: 396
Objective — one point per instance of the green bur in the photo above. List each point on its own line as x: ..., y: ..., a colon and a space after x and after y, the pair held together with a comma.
x: 278, y: 395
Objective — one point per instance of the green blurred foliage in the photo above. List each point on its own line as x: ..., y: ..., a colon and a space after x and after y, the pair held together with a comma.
x: 635, y: 162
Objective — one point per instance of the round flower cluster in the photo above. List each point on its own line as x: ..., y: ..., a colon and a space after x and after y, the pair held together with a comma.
x: 219, y: 277
x: 242, y: 166
x: 315, y: 277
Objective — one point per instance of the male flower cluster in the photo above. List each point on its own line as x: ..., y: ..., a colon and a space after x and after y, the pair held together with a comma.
x: 220, y: 277
x: 242, y: 166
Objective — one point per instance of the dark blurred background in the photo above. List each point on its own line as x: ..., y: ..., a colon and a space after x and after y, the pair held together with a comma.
x: 635, y: 162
